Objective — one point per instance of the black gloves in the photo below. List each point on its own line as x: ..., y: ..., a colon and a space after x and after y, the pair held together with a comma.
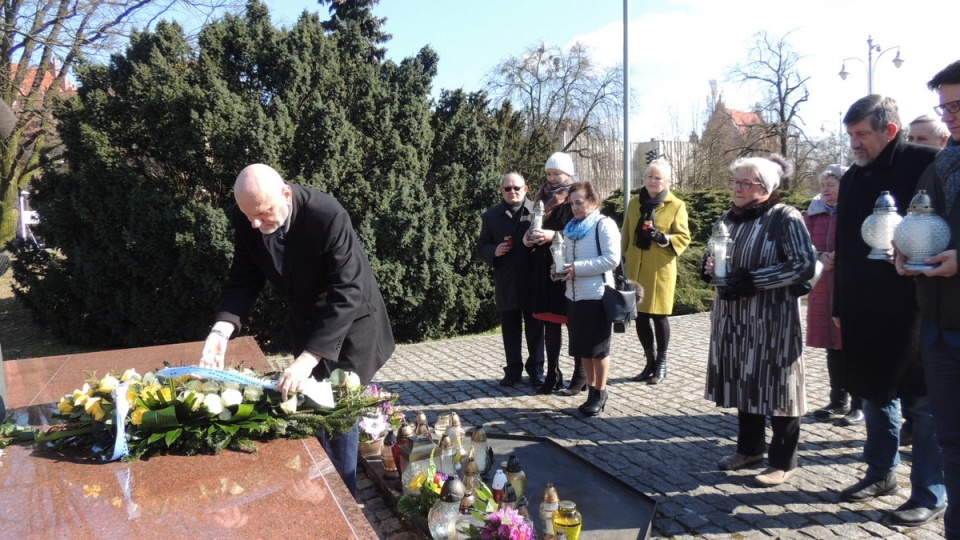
x: 739, y: 285
x: 650, y: 233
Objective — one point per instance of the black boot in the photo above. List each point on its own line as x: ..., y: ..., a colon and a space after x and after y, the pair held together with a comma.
x: 837, y: 406
x: 578, y: 381
x: 648, y: 369
x: 554, y: 380
x: 660, y: 370
x: 595, y: 407
x: 590, y: 399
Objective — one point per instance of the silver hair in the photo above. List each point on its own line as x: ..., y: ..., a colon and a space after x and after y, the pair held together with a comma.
x: 663, y: 165
x: 834, y: 170
x: 769, y: 170
x: 939, y: 128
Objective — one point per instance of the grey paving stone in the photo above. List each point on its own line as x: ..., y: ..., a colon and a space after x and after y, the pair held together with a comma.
x: 665, y: 440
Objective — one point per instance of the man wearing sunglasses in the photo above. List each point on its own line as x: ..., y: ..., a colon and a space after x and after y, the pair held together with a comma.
x: 876, y: 311
x: 500, y: 246
x: 938, y: 294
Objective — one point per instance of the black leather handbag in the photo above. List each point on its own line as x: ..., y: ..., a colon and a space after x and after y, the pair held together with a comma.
x: 619, y: 301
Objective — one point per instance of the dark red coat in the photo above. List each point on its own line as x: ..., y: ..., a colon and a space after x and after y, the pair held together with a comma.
x: 821, y: 331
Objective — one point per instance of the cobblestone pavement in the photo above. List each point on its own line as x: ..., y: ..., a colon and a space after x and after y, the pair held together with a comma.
x: 665, y: 439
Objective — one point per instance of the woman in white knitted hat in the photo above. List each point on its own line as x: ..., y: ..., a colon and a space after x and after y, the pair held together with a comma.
x: 547, y: 296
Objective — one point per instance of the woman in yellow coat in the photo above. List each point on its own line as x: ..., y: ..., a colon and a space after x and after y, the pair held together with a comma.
x: 654, y: 234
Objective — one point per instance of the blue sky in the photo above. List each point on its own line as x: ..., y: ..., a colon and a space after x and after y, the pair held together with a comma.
x: 678, y: 46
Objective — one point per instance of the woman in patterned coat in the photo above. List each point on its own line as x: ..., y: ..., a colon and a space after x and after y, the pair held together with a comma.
x: 756, y: 340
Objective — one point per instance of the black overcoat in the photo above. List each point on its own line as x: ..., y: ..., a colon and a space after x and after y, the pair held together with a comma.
x: 877, y: 307
x: 336, y: 311
x: 509, y: 270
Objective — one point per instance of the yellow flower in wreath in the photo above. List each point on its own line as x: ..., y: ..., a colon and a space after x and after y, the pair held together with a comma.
x: 130, y: 375
x: 92, y: 406
x: 137, y: 416
x: 81, y: 395
x: 107, y: 384
x: 65, y: 405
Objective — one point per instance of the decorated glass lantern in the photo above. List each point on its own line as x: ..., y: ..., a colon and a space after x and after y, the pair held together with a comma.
x: 447, y: 453
x: 481, y: 450
x: 455, y: 431
x: 405, y: 432
x: 386, y: 455
x: 922, y: 233
x: 415, y: 460
x: 556, y: 250
x: 422, y: 426
x: 877, y: 229
x: 442, y: 423
x: 538, y: 213
x: 549, y: 506
x: 720, y: 247
x: 516, y: 476
x: 442, y: 518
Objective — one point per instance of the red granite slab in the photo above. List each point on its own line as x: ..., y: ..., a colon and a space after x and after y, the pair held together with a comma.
x: 46, y: 379
x: 288, y: 488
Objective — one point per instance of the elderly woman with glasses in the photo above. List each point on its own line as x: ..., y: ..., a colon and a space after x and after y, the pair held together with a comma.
x: 756, y: 341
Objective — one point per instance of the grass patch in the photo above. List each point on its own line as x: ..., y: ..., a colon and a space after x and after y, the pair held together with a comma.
x: 20, y: 336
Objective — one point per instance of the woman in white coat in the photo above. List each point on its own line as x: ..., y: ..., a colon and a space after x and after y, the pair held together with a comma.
x: 591, y: 252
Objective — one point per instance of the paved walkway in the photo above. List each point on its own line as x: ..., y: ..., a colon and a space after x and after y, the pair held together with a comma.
x: 665, y: 440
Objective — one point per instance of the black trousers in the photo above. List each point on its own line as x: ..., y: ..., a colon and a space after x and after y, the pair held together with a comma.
x: 514, y: 324
x: 343, y: 453
x: 783, y: 445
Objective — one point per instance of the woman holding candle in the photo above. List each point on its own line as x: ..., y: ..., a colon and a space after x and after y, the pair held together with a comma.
x: 756, y: 342
x: 548, y: 302
x: 653, y: 236
x: 591, y: 252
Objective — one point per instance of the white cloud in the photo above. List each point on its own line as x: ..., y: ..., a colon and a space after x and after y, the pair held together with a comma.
x: 677, y: 49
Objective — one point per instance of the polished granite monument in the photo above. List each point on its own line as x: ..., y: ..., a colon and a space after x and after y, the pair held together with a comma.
x: 287, y: 488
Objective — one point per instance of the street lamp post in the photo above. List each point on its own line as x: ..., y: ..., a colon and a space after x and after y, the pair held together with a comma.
x: 871, y: 63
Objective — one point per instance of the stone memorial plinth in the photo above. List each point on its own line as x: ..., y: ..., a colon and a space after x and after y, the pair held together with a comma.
x: 288, y: 488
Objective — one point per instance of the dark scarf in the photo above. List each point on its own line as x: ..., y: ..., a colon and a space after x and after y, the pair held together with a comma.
x: 743, y: 215
x: 553, y: 197
x: 947, y: 165
x: 648, y: 207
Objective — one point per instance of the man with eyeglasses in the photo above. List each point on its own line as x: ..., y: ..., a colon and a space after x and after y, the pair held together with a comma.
x: 500, y: 246
x: 938, y: 294
x: 876, y: 311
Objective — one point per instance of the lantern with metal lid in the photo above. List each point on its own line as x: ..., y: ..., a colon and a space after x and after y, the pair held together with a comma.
x: 442, y: 518
x: 447, y: 452
x: 386, y: 455
x: 720, y: 247
x: 877, y: 230
x: 405, y: 432
x: 481, y: 450
x: 415, y: 457
x: 922, y: 234
x: 549, y: 506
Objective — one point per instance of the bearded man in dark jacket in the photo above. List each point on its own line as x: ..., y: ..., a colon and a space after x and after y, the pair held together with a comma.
x: 876, y: 310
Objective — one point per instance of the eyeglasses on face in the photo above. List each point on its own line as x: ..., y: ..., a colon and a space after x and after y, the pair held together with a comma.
x: 512, y: 188
x: 742, y: 184
x: 952, y: 107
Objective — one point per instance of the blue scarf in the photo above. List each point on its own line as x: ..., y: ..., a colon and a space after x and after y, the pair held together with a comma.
x: 576, y: 229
